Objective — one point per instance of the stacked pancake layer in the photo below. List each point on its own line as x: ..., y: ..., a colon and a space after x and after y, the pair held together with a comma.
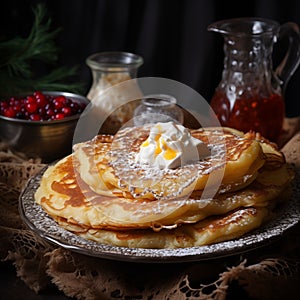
x: 102, y: 193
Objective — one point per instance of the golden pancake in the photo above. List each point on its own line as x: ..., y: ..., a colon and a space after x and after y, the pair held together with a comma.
x: 212, y: 230
x: 63, y: 194
x: 110, y: 164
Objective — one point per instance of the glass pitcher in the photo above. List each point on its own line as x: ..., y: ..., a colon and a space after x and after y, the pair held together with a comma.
x: 250, y: 95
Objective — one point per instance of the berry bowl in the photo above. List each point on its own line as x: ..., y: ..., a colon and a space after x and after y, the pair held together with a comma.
x: 42, y: 124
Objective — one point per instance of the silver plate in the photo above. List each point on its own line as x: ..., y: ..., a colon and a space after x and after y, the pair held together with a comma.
x: 39, y: 221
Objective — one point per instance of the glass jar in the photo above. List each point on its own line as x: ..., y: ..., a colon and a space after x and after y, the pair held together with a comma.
x: 109, y: 68
x: 112, y: 69
x: 158, y: 108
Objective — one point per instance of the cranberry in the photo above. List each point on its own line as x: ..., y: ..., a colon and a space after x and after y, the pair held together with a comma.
x: 30, y: 99
x: 50, y: 112
x: 31, y: 107
x: 60, y: 99
x: 59, y: 116
x: 9, y: 112
x: 58, y: 104
x: 12, y: 101
x: 3, y: 105
x: 39, y: 94
x: 35, y: 117
x: 41, y: 111
x: 74, y: 107
x: 41, y: 101
x: 17, y: 106
x: 67, y: 111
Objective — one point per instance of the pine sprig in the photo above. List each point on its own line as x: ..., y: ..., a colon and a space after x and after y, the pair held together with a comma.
x: 53, y: 80
x: 42, y: 38
x: 18, y: 55
x: 49, y: 82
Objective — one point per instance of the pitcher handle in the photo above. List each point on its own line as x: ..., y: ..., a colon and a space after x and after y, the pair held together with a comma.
x: 291, y: 60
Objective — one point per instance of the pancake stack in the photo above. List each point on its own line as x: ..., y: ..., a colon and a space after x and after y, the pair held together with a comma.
x: 102, y: 193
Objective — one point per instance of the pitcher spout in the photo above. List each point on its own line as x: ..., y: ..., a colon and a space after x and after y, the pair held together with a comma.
x: 245, y: 26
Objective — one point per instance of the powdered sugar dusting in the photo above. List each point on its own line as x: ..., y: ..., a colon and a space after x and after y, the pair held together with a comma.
x: 141, y: 178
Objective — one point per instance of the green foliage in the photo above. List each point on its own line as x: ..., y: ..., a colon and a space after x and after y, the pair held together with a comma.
x: 19, y: 56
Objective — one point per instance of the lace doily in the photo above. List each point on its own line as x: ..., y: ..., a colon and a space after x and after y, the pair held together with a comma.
x: 268, y: 273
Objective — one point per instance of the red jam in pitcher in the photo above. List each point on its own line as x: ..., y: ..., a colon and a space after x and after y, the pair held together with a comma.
x: 250, y: 94
x: 257, y: 113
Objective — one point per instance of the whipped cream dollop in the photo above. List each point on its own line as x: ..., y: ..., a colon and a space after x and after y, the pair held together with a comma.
x: 171, y: 145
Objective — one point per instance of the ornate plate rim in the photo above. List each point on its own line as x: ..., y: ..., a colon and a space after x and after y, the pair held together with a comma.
x: 36, y: 218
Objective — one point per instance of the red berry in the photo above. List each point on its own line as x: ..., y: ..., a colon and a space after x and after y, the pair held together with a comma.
x: 3, y: 105
x: 12, y: 101
x: 42, y: 111
x: 50, y: 112
x: 17, y: 107
x: 35, y: 117
x: 41, y: 101
x: 59, y: 116
x: 67, y: 111
x: 31, y: 107
x: 61, y: 99
x: 74, y: 107
x: 30, y: 99
x: 58, y: 104
x: 9, y: 112
x: 38, y: 94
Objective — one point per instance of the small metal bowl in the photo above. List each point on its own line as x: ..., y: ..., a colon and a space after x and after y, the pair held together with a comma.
x: 48, y: 140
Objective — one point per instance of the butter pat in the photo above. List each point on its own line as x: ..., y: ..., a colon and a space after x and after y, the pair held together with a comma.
x: 171, y: 145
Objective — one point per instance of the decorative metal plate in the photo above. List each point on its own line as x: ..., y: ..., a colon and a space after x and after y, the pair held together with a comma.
x: 39, y: 221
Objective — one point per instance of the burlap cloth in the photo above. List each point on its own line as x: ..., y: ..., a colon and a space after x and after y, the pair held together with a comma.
x: 271, y: 272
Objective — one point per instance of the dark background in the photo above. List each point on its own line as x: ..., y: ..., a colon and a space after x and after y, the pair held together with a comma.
x: 171, y: 35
